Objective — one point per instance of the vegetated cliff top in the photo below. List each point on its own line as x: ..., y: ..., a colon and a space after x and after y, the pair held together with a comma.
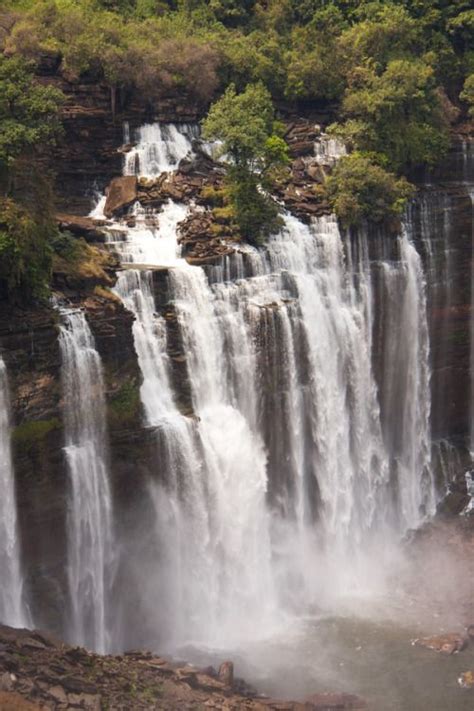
x: 395, y: 75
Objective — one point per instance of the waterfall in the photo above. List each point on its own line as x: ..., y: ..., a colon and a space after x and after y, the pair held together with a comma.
x: 12, y: 610
x: 90, y: 554
x: 406, y: 384
x: 295, y: 460
x: 160, y: 147
x: 468, y: 176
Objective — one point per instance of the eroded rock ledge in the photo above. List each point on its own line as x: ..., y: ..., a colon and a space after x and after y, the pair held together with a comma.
x: 38, y: 672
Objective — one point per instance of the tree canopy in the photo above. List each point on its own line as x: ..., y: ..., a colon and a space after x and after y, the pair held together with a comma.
x: 28, y: 110
x: 245, y: 125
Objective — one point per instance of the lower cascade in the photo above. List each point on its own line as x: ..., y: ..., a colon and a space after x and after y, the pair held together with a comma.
x: 90, y: 536
x: 12, y: 609
x: 296, y: 461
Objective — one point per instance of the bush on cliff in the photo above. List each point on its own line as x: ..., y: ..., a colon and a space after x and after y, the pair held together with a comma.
x: 361, y: 189
x: 245, y: 125
x: 467, y: 93
x: 397, y: 114
x: 28, y: 121
x: 25, y: 252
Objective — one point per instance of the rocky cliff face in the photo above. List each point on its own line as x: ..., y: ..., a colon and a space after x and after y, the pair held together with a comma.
x: 88, y: 154
x: 29, y: 341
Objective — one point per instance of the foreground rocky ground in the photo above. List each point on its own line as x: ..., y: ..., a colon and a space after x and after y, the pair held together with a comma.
x: 40, y: 673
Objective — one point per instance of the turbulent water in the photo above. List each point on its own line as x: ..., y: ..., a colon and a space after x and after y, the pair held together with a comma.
x: 298, y: 466
x: 90, y: 565
x: 12, y: 611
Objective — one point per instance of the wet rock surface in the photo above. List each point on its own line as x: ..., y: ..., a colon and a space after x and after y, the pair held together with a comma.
x: 466, y: 680
x: 446, y: 643
x: 121, y: 193
x: 39, y: 672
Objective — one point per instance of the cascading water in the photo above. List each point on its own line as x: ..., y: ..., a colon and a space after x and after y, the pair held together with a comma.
x: 288, y: 470
x: 90, y: 552
x: 406, y: 384
x: 12, y: 610
x: 160, y: 147
x: 468, y: 179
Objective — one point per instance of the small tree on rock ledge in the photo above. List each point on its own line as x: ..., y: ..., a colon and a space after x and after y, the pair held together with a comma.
x: 251, y: 139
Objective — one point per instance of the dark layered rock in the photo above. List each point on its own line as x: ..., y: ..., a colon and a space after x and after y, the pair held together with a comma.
x: 300, y: 136
x: 206, y: 239
x: 30, y: 347
x: 444, y: 217
x: 85, y: 227
x: 88, y: 154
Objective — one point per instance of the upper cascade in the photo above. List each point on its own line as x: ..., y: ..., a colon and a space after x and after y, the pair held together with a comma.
x: 160, y: 148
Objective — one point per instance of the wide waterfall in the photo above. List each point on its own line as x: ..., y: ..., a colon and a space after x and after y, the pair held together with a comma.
x: 90, y: 552
x: 298, y: 462
x: 12, y: 610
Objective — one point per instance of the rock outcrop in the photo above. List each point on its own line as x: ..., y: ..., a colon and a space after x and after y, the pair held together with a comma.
x: 40, y: 673
x: 121, y: 193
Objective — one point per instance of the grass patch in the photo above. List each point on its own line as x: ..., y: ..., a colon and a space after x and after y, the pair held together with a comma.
x: 31, y: 433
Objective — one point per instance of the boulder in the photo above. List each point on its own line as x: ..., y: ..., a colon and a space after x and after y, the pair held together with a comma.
x: 80, y: 226
x: 121, y: 193
x: 15, y: 702
x: 466, y: 680
x: 226, y: 673
x: 446, y: 643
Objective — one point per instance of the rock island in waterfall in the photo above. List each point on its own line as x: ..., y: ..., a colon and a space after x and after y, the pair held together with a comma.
x: 236, y: 355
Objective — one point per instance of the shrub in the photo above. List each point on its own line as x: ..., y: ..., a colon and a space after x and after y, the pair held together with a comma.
x: 359, y: 189
x: 25, y: 252
x: 467, y: 93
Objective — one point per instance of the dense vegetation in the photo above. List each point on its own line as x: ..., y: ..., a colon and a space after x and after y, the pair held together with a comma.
x: 28, y: 120
x: 250, y: 139
x: 393, y: 74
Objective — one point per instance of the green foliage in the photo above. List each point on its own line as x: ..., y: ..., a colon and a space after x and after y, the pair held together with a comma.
x: 359, y: 188
x: 125, y: 404
x: 256, y: 214
x: 28, y: 111
x: 244, y: 123
x: 65, y: 245
x: 30, y: 434
x: 467, y: 93
x: 397, y: 113
x: 391, y: 70
x: 25, y: 251
x: 250, y: 138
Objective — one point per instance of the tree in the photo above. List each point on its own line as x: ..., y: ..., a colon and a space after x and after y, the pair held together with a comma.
x: 25, y: 251
x: 397, y: 113
x: 28, y: 111
x: 359, y: 189
x: 467, y: 93
x: 28, y: 121
x: 245, y: 125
